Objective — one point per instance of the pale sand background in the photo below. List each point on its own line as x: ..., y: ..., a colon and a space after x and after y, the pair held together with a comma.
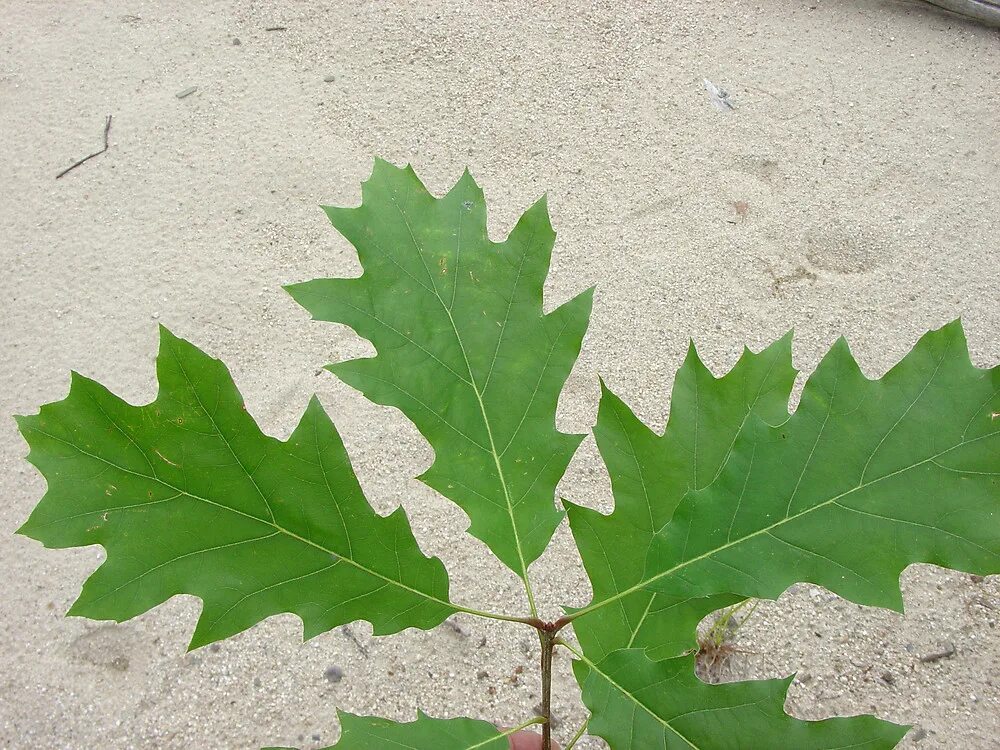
x: 864, y: 141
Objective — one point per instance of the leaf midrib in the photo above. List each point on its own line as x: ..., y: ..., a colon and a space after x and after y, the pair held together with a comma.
x: 523, y: 573
x: 624, y: 691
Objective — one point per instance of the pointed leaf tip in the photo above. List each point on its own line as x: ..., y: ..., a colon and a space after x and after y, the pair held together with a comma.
x: 692, y: 352
x: 466, y: 184
x: 164, y: 334
x: 541, y: 206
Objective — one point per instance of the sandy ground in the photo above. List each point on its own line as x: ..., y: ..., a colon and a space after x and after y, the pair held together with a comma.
x: 863, y: 144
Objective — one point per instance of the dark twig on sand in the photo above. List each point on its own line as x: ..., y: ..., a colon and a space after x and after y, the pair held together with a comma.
x: 107, y: 129
x: 346, y: 630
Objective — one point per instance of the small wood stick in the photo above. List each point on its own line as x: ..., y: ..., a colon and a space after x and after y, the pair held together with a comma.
x: 107, y: 129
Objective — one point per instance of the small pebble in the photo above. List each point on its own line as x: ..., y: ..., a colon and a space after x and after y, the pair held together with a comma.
x: 236, y: 42
x: 186, y: 92
x: 334, y: 674
x: 329, y: 79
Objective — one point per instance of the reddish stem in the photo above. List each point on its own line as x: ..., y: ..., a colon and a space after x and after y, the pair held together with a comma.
x: 547, y: 639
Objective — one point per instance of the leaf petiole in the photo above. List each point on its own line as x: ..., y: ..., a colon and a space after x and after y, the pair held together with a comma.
x: 492, y: 615
x: 513, y: 730
x: 579, y: 733
x: 573, y: 650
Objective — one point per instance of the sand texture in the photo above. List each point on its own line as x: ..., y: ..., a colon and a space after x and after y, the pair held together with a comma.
x: 851, y: 189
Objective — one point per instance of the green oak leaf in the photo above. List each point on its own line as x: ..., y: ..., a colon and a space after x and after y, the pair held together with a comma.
x: 464, y: 348
x: 188, y: 496
x: 867, y: 477
x: 639, y: 704
x: 426, y: 733
x: 650, y: 474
